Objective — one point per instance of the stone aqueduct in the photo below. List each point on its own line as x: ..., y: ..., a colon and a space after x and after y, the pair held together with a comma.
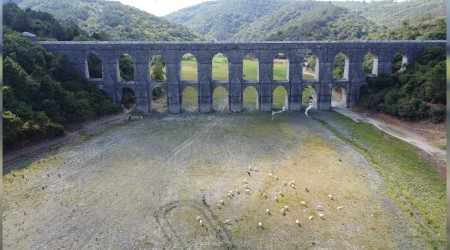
x: 172, y: 52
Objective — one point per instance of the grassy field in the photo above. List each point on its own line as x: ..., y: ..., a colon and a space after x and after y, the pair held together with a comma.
x: 138, y: 185
x: 220, y: 95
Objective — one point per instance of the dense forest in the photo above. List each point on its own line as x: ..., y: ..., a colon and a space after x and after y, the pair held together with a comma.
x: 116, y: 21
x: 307, y: 21
x: 220, y: 20
x: 417, y: 93
x: 42, y: 93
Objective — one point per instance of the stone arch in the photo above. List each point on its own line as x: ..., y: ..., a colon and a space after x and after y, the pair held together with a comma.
x: 126, y: 67
x: 94, y: 66
x: 158, y: 68
x: 189, y: 99
x: 310, y: 67
x: 250, y: 99
x: 340, y: 66
x: 220, y: 68
x: 189, y: 68
x: 128, y: 98
x: 158, y: 99
x: 339, y: 96
x: 279, y: 98
x: 220, y: 99
x: 281, y: 67
x: 370, y: 64
x: 250, y: 67
x: 400, y: 62
x: 309, y: 96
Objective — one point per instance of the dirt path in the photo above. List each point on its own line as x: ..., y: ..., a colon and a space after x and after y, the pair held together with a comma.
x: 430, y: 138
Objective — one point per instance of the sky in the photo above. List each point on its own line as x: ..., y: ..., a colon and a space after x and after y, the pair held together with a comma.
x: 164, y: 7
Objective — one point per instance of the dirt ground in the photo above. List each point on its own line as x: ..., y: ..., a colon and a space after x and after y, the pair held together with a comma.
x: 138, y: 184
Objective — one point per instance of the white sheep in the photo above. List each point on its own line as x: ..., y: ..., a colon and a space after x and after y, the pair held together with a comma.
x: 227, y: 222
x: 286, y: 208
x: 311, y: 217
x: 201, y: 222
x: 198, y: 218
x: 222, y: 202
x: 321, y: 216
x: 270, y: 174
x: 303, y: 203
x: 247, y: 191
x: 256, y: 169
x: 265, y: 195
x: 340, y: 207
x: 237, y: 191
x: 230, y: 195
x: 268, y: 211
x: 260, y: 225
x: 297, y: 222
x: 276, y: 199
x: 244, y: 181
x: 282, y: 211
x: 276, y: 177
x: 246, y: 186
x: 319, y: 208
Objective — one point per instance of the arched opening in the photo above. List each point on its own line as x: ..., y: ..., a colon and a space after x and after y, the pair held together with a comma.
x: 250, y: 68
x: 189, y: 70
x: 310, y: 67
x: 250, y: 99
x: 126, y: 68
x: 341, y: 65
x: 220, y: 99
x: 281, y: 67
x: 400, y: 62
x: 309, y: 96
x: 94, y: 66
x: 157, y: 69
x: 279, y: 98
x: 159, y: 98
x: 370, y: 64
x: 339, y: 96
x: 220, y: 68
x: 128, y: 99
x: 189, y: 100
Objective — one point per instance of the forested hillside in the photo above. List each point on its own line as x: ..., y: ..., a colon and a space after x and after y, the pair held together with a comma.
x: 222, y: 19
x: 42, y: 93
x: 390, y: 13
x: 307, y: 20
x: 113, y: 20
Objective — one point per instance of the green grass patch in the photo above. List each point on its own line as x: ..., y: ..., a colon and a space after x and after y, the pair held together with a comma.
x: 406, y: 175
x: 189, y: 70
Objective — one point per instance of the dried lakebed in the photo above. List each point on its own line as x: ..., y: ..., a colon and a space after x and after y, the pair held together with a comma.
x: 139, y: 185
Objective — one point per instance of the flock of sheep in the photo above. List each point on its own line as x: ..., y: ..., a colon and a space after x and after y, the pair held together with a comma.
x: 246, y: 189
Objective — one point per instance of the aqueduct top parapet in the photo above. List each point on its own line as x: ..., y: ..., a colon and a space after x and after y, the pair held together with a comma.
x: 172, y: 52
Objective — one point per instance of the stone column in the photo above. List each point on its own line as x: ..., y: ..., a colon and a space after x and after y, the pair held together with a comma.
x: 141, y: 79
x: 234, y: 76
x: 173, y: 82
x: 356, y: 78
x: 205, y: 82
x: 111, y: 75
x: 326, y: 80
x: 295, y: 79
x: 266, y: 83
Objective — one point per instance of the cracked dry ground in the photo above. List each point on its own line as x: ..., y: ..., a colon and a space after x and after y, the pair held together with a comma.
x: 139, y: 183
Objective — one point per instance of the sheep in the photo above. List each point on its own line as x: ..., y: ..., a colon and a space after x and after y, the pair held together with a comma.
x: 201, y: 222
x: 230, y: 195
x: 303, y: 203
x: 237, y: 191
x: 276, y: 177
x: 198, y: 218
x: 246, y: 186
x: 250, y: 168
x: 228, y: 222
x: 340, y: 207
x: 319, y: 208
x: 222, y: 202
x: 286, y: 208
x: 282, y: 211
x: 265, y: 195
x: 322, y: 216
x: 297, y: 222
x: 276, y: 199
x: 260, y: 225
x: 311, y: 217
x: 245, y: 181
x: 256, y: 169
x: 268, y: 211
x: 247, y: 191
x: 331, y: 197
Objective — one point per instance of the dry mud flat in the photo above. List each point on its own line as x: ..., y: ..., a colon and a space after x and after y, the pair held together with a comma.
x: 139, y: 185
